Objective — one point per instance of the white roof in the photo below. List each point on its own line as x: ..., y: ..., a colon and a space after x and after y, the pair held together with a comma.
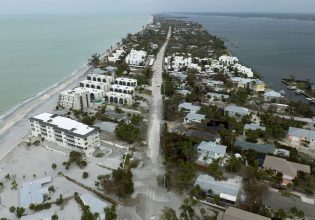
x: 75, y: 91
x: 195, y: 117
x: 228, y: 187
x: 118, y: 95
x: 126, y: 79
x: 93, y: 82
x: 254, y: 127
x: 236, y: 109
x: 95, y: 204
x: 33, y: 192
x: 273, y: 94
x: 115, y: 86
x: 64, y: 123
x: 212, y: 147
x: 189, y: 106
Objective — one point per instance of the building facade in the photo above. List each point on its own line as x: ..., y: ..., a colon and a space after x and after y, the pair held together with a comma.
x: 77, y: 98
x: 118, y: 98
x: 122, y: 89
x: 95, y: 85
x: 126, y: 81
x: 100, y: 78
x: 65, y: 132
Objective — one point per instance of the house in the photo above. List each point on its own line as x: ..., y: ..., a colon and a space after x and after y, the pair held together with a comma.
x: 236, y: 111
x: 209, y: 151
x: 288, y: 169
x: 96, y: 205
x: 116, y: 55
x: 271, y: 95
x: 254, y: 127
x: 299, y: 135
x: 188, y: 107
x: 194, y: 118
x: 33, y: 192
x: 232, y: 213
x: 100, y: 78
x: 107, y: 126
x: 228, y: 60
x: 260, y: 148
x: 254, y: 84
x: 244, y: 70
x: 179, y: 75
x: 65, y: 132
x: 228, y: 190
x: 217, y: 96
x: 126, y: 81
x: 275, y: 201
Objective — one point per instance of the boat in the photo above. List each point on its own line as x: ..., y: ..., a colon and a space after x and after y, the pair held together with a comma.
x: 292, y: 87
x: 298, y: 91
x: 282, y: 92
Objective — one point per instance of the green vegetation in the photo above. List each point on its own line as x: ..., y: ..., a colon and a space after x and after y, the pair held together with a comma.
x: 120, y: 182
x: 128, y: 133
x: 179, y: 154
x: 39, y: 207
x: 75, y: 157
x: 94, y: 60
x: 85, y: 175
x: 111, y: 213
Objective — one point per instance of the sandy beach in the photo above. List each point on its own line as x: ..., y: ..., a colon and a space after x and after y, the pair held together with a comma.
x: 15, y: 126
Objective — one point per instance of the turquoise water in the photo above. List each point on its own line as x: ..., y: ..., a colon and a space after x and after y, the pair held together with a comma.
x: 37, y: 51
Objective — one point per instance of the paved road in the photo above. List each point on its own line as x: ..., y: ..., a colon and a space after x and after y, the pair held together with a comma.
x: 152, y: 197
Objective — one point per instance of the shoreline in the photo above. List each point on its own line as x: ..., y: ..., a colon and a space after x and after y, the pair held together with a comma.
x: 14, y: 124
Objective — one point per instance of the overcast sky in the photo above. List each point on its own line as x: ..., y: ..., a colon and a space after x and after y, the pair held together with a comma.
x: 154, y: 6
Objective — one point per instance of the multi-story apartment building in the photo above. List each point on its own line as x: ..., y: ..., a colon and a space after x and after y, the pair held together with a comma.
x: 77, y: 98
x: 65, y: 132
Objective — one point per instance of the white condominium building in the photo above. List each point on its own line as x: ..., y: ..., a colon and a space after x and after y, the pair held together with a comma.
x: 244, y: 70
x: 118, y: 98
x: 100, y: 78
x: 136, y: 58
x: 116, y: 55
x: 122, y: 89
x: 95, y: 85
x: 126, y: 81
x: 95, y: 94
x: 228, y: 60
x: 65, y: 132
x: 77, y: 98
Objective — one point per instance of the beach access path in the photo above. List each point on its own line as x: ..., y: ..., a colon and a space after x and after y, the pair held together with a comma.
x: 15, y: 126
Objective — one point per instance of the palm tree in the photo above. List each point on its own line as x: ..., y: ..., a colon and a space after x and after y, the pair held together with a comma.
x: 94, y: 60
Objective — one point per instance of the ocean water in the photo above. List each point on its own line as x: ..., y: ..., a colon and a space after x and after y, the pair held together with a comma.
x: 274, y: 45
x: 37, y: 51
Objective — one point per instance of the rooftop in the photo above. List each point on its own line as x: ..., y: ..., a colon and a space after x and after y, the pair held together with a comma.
x: 287, y: 168
x: 189, y: 106
x: 260, y: 148
x: 236, y: 109
x: 95, y: 204
x: 254, y: 127
x: 107, y: 126
x: 212, y: 147
x: 194, y: 116
x: 299, y: 132
x: 232, y: 213
x: 64, y: 123
x: 33, y: 192
x: 229, y: 187
x: 277, y: 201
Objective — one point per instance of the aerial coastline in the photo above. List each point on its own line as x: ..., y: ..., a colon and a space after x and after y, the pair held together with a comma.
x: 166, y: 123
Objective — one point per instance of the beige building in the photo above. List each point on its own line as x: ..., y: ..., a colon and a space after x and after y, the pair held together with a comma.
x: 65, y: 132
x: 77, y: 98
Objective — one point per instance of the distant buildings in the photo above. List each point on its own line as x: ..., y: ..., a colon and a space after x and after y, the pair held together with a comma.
x: 116, y: 55
x: 244, y: 70
x: 217, y: 96
x: 228, y: 60
x: 65, y: 132
x: 136, y: 58
x: 289, y: 170
x: 228, y: 190
x: 299, y: 135
x: 236, y: 111
x: 77, y: 99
